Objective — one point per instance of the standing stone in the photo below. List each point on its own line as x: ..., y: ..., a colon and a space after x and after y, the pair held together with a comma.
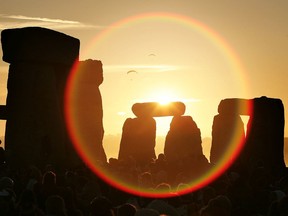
x: 227, y: 129
x: 183, y: 140
x: 265, y: 135
x: 235, y: 106
x: 3, y: 112
x: 88, y: 107
x: 264, y: 142
x: 40, y: 62
x: 138, y: 140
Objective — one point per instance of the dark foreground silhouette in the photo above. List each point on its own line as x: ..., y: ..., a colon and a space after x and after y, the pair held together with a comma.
x: 77, y: 191
x: 41, y: 174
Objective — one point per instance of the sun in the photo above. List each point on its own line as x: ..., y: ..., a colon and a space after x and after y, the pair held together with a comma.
x: 164, y: 99
x: 163, y: 96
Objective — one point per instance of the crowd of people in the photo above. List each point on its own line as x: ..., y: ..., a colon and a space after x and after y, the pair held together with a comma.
x: 78, y: 191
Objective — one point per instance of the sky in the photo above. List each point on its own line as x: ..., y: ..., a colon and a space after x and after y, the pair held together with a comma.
x: 198, y: 52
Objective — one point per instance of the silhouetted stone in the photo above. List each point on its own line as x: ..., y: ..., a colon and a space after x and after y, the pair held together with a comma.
x: 265, y: 135
x: 183, y: 139
x: 227, y: 129
x: 3, y: 112
x: 235, y: 106
x: 138, y: 140
x: 154, y: 109
x: 89, y: 111
x: 35, y: 44
x: 2, y: 156
x: 41, y: 60
x: 264, y: 143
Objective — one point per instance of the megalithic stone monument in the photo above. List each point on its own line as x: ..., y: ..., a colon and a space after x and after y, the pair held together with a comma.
x: 264, y: 142
x: 40, y: 61
x: 139, y: 134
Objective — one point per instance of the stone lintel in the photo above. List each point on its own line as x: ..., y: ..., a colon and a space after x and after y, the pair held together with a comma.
x: 155, y: 109
x: 38, y: 44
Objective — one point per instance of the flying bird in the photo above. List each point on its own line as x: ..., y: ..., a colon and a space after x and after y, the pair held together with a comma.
x: 131, y: 71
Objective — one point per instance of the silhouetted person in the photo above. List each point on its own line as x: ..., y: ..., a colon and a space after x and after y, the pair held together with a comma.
x: 48, y: 188
x: 27, y: 205
x: 221, y: 205
x: 55, y: 205
x: 2, y: 156
x: 7, y: 196
x: 147, y: 212
x: 101, y: 206
x: 126, y: 209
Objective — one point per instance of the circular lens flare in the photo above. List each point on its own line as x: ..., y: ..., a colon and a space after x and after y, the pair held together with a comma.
x: 84, y: 114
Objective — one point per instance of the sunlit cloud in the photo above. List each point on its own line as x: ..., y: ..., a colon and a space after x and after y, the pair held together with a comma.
x: 19, y: 21
x: 20, y: 17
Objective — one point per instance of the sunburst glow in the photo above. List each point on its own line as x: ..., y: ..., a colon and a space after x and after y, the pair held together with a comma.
x: 163, y: 96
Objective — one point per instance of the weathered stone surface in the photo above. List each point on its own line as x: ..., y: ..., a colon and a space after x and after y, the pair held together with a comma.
x: 183, y: 139
x: 90, y: 73
x: 36, y: 44
x: 265, y: 135
x: 87, y: 109
x: 235, y: 106
x: 154, y: 109
x: 138, y: 140
x: 35, y: 128
x: 41, y: 60
x: 227, y: 132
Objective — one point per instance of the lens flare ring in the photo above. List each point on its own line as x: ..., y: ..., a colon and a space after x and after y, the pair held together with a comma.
x: 101, y: 169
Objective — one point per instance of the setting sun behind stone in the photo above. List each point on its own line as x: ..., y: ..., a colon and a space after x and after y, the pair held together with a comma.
x: 164, y: 100
x: 155, y: 109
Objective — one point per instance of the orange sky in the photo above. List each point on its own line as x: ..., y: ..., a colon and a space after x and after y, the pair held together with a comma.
x: 197, y: 51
